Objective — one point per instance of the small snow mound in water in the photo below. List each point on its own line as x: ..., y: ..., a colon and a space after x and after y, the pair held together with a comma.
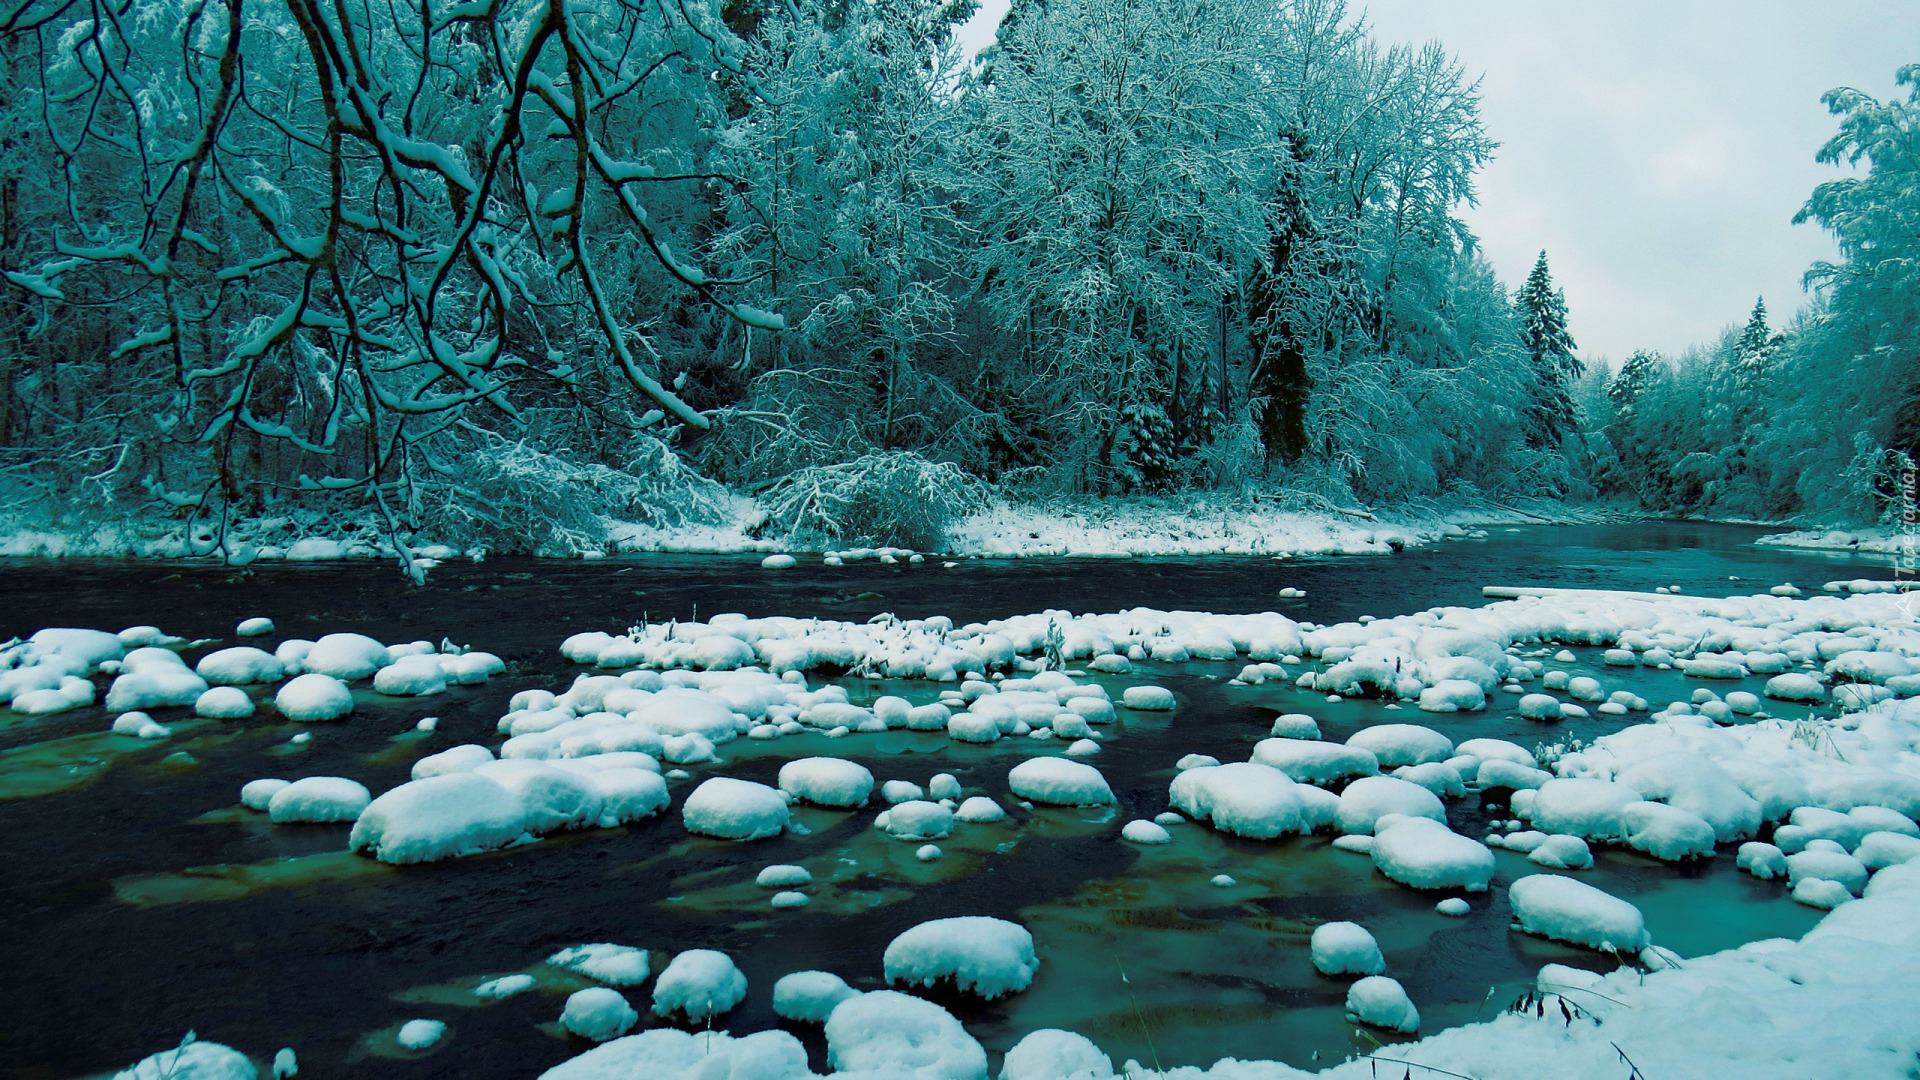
x: 790, y: 899
x: 420, y: 1034
x: 458, y: 759
x: 1794, y: 686
x: 240, y: 666
x: 1310, y: 762
x: 1378, y: 1001
x: 1245, y: 799
x: 1577, y: 913
x: 1059, y: 782
x: 1111, y: 664
x: 701, y: 983
x: 1452, y: 905
x: 1146, y: 832
x: 254, y: 627
x: 1368, y: 799
x: 1562, y: 853
x: 1168, y: 817
x: 979, y: 809
x: 1836, y: 866
x: 890, y: 1034
x: 1666, y: 832
x: 598, y: 1013
x: 615, y: 965
x: 1539, y: 707
x: 1425, y: 854
x: 313, y: 697
x: 899, y: 791
x: 440, y: 817
x: 927, y: 852
x: 411, y: 676
x: 1195, y: 761
x: 919, y: 820
x: 1295, y: 726
x: 1582, y: 806
x: 258, y: 794
x: 810, y: 996
x: 504, y: 987
x: 670, y: 1054
x: 1345, y: 948
x: 783, y: 875
x: 319, y: 799
x: 1763, y: 861
x: 1820, y: 893
x: 1148, y: 698
x: 778, y: 562
x: 223, y: 703
x: 733, y: 809
x: 347, y: 656
x: 1052, y: 1054
x: 193, y: 1061
x: 1223, y: 881
x: 826, y: 781
x: 982, y: 955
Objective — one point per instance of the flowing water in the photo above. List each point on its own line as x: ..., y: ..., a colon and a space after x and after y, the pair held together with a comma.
x: 138, y: 902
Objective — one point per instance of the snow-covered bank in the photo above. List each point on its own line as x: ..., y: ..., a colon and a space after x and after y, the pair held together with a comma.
x: 1191, y: 525
x: 1875, y: 540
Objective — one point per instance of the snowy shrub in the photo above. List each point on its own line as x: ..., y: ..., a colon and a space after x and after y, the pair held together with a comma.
x: 896, y: 498
x: 511, y: 497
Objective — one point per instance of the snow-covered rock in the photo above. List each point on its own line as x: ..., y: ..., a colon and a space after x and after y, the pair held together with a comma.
x: 615, y: 965
x: 886, y: 1034
x: 733, y: 809
x: 1059, y: 782
x: 810, y: 996
x: 1577, y: 913
x: 598, y: 1013
x: 699, y: 984
x: 440, y: 817
x: 319, y: 799
x: 985, y: 956
x: 1245, y: 799
x: 1425, y: 854
x: 1378, y: 1001
x: 1345, y: 948
x: 1052, y: 1054
x: 313, y: 697
x: 1370, y: 798
x: 825, y: 781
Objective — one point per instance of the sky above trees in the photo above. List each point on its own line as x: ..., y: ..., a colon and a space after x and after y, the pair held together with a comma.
x: 1657, y: 150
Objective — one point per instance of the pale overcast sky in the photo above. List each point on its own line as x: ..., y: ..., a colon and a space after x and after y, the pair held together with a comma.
x: 1657, y: 149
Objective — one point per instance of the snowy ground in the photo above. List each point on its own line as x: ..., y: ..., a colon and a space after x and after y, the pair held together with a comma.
x: 1828, y: 800
x: 1194, y: 525
x: 1878, y: 540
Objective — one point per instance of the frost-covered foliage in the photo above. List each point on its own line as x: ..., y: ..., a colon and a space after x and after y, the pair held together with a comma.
x: 268, y: 257
x: 1818, y: 419
x: 896, y: 499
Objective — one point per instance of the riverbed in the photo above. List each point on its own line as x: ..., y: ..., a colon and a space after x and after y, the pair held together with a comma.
x: 140, y: 902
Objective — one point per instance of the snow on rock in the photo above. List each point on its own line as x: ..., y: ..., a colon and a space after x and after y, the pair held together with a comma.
x: 319, y: 799
x: 783, y: 875
x: 459, y: 759
x: 780, y: 561
x: 919, y: 819
x: 1838, y: 866
x: 1309, y: 762
x: 1370, y: 798
x: 1794, y: 686
x: 1453, y: 695
x: 1059, y: 782
x: 1694, y: 783
x: 699, y: 983
x: 314, y: 697
x: 615, y: 965
x: 254, y: 627
x: 153, y: 685
x: 1508, y: 774
x: 1142, y: 831
x: 887, y: 1034
x: 1246, y: 799
x: 986, y: 956
x: 440, y: 817
x: 1562, y: 853
x: 1295, y: 726
x: 258, y: 794
x: 346, y: 656
x: 240, y: 666
x: 1763, y: 861
x: 1345, y: 948
x: 420, y: 1034
x: 192, y: 1061
x: 1148, y: 698
x: 1666, y: 832
x: 1581, y: 806
x: 1820, y: 893
x: 1378, y: 1001
x: 1453, y: 906
x: 1878, y: 850
x: 1539, y: 707
x: 1402, y: 744
x: 1052, y: 1054
x: 1425, y: 854
x: 825, y: 781
x: 411, y: 676
x: 979, y: 809
x: 552, y: 800
x: 598, y: 1013
x: 810, y: 996
x: 1572, y: 911
x: 733, y: 809
x: 672, y: 1054
x: 899, y: 791
x: 223, y: 703
x: 504, y: 987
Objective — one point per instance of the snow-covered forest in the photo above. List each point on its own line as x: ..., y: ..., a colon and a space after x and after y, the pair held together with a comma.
x: 496, y: 273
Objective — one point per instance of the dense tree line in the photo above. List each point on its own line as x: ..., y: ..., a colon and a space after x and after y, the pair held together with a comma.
x: 462, y: 262
x: 1820, y: 418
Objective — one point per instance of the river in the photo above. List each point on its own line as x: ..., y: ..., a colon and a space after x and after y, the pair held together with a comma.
x: 139, y: 902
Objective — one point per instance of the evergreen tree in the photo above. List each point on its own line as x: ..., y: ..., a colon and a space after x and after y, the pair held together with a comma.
x: 1146, y: 453
x: 1543, y: 333
x: 1281, y: 382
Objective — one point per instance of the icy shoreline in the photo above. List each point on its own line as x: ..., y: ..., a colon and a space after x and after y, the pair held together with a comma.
x: 1877, y: 540
x: 1114, y: 528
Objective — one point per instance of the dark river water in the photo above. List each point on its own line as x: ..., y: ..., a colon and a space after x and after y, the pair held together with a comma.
x: 137, y: 903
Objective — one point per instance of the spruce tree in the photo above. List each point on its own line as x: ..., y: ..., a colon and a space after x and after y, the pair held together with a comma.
x: 1281, y: 382
x: 1542, y: 309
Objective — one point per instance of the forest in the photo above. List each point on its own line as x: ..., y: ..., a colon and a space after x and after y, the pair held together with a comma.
x: 494, y: 273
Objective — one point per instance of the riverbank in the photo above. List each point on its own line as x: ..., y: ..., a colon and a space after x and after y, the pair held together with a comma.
x: 1219, y: 524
